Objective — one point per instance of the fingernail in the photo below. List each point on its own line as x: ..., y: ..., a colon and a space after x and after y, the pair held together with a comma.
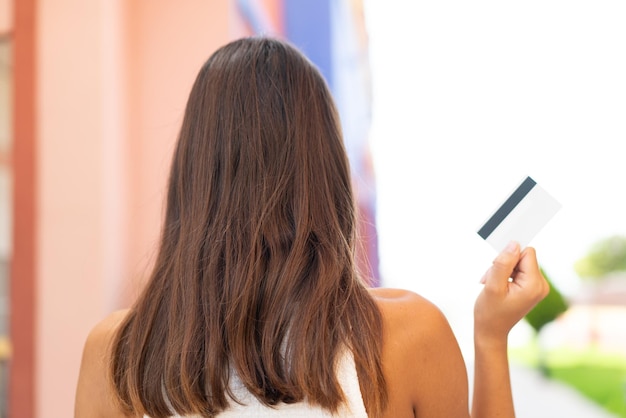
x: 512, y: 247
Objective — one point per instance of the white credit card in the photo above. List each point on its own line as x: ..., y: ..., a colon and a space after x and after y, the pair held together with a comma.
x: 526, y: 211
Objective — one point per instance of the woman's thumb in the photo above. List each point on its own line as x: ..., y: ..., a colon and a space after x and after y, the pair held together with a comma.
x: 503, y: 265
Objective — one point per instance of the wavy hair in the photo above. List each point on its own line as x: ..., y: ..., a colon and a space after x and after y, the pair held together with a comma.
x: 255, y: 269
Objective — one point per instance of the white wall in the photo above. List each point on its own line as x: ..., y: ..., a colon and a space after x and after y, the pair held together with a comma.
x: 469, y: 98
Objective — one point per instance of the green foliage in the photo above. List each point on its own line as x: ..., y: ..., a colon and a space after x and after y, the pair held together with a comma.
x: 598, y: 375
x: 605, y: 257
x: 603, y: 385
x: 548, y: 309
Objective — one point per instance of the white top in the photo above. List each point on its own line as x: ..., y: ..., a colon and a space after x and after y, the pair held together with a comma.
x: 348, y: 380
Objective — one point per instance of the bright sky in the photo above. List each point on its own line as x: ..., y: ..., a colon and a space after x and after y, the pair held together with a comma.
x: 469, y: 99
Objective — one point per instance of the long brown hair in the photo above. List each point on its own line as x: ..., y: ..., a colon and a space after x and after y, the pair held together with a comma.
x: 255, y: 269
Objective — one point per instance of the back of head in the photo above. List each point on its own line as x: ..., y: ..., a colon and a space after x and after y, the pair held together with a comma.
x: 260, y: 157
x: 255, y: 270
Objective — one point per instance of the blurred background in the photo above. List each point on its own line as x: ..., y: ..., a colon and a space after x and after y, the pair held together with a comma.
x: 445, y: 106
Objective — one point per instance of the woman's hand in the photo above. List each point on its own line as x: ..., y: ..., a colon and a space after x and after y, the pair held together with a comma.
x: 503, y: 302
x: 500, y: 305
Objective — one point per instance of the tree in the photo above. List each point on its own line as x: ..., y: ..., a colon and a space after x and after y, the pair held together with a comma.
x: 546, y: 311
x: 606, y: 256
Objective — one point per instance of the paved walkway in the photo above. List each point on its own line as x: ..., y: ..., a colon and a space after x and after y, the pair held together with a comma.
x: 537, y: 397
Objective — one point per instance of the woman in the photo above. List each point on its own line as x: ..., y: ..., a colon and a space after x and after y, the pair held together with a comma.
x: 254, y: 307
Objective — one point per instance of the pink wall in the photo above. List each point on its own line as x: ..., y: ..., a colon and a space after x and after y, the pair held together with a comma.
x: 112, y: 77
x: 71, y: 179
x: 6, y: 16
x: 169, y: 41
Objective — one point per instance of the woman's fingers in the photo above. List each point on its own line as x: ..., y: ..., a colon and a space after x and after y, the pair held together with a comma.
x: 503, y: 303
x: 528, y: 275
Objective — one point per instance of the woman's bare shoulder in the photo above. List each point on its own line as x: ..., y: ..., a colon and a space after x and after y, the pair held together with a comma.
x: 108, y: 325
x: 400, y: 305
x: 93, y: 393
x: 423, y: 365
x: 412, y: 322
x: 100, y: 337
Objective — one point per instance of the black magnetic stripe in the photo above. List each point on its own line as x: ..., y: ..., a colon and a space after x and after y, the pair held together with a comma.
x: 507, y: 207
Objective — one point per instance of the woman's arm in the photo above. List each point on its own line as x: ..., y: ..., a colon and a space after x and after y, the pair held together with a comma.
x: 492, y: 384
x: 500, y: 305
